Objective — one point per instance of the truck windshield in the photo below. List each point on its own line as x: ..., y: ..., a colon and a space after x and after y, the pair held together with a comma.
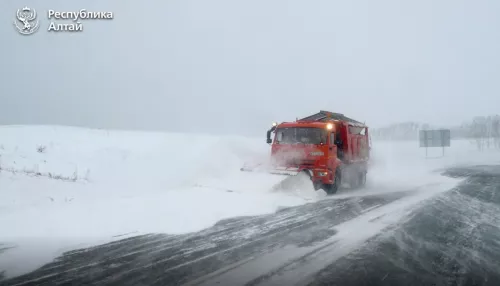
x: 301, y: 135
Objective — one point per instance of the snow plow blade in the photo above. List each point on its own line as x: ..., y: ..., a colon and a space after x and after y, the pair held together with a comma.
x: 286, y: 178
x: 285, y: 171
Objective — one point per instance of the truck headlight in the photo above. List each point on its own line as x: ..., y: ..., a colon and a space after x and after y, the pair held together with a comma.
x: 322, y: 174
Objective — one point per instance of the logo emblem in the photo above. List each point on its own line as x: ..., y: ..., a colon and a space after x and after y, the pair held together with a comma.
x: 27, y: 22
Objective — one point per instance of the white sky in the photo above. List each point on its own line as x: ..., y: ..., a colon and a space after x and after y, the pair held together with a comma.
x: 233, y: 66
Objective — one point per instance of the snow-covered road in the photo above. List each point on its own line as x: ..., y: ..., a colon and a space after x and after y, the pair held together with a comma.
x: 63, y: 189
x: 441, y: 238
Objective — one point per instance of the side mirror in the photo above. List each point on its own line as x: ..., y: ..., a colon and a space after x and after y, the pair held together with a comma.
x: 268, y: 135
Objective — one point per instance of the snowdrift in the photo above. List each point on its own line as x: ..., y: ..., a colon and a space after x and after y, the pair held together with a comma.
x: 167, y: 182
x: 63, y: 188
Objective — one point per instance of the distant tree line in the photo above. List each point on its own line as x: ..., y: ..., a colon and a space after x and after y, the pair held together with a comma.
x: 483, y: 130
x: 399, y: 131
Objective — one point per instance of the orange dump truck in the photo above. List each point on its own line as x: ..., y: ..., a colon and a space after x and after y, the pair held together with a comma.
x: 329, y: 147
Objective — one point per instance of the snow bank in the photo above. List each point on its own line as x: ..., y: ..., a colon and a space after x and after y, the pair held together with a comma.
x: 63, y: 188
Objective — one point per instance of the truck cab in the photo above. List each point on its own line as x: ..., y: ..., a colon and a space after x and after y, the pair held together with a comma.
x: 329, y: 147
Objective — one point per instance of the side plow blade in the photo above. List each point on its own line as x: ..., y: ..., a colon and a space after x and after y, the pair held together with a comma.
x: 286, y: 178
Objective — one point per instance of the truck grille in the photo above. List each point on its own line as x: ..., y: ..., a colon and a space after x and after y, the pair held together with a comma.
x: 301, y: 162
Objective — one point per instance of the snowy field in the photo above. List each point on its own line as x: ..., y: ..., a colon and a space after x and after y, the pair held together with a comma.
x: 63, y: 188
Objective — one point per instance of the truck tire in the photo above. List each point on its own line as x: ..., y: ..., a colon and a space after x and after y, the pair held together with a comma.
x: 331, y: 189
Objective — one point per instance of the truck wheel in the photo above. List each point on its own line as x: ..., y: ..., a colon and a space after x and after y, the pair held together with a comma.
x: 333, y: 188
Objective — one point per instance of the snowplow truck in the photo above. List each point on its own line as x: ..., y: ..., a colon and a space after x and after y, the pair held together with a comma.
x: 329, y: 147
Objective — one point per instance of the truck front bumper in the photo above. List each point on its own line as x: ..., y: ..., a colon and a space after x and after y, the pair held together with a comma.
x: 317, y: 175
x: 323, y: 176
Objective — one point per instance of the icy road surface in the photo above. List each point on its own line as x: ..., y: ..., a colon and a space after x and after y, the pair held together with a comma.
x: 452, y: 238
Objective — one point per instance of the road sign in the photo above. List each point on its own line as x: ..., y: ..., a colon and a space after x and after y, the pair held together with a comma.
x: 435, y: 138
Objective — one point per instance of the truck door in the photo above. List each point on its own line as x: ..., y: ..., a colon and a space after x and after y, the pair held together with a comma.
x: 332, y: 151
